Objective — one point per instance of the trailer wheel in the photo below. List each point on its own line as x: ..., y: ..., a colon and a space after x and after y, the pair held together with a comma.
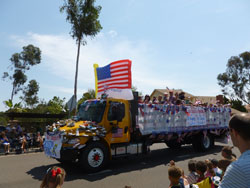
x: 173, y: 144
x: 202, y: 143
x: 94, y: 157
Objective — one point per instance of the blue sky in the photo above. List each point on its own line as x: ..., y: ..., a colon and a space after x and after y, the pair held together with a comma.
x: 181, y: 44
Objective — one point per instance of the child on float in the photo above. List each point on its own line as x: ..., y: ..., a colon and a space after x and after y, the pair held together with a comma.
x: 54, y: 178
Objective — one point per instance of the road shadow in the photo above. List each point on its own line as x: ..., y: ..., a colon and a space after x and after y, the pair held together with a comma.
x: 134, y: 163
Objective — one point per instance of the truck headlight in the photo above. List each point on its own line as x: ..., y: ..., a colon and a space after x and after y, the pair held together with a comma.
x: 74, y: 141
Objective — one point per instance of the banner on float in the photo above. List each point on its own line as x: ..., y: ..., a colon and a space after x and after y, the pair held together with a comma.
x: 197, y: 116
x: 52, y: 145
x: 161, y: 119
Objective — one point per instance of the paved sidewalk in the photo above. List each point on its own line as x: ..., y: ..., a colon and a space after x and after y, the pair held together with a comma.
x: 13, y: 152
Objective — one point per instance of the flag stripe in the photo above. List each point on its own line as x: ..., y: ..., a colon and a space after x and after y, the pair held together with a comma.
x: 118, y: 64
x: 114, y: 81
x: 119, y: 69
x: 115, y: 78
x: 118, y: 72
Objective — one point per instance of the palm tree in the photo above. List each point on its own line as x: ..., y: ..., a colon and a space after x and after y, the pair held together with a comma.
x: 83, y: 16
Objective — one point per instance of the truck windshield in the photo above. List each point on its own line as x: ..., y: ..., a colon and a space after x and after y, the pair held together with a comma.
x: 91, y: 111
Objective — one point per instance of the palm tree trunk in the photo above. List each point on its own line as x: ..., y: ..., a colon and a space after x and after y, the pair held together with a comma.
x: 76, y: 73
x: 12, y: 93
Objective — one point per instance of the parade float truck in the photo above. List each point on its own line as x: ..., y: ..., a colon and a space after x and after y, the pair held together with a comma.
x: 105, y: 129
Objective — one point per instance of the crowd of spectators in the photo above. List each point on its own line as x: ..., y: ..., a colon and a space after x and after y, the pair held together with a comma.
x: 228, y: 172
x: 208, y: 173
x: 15, y: 138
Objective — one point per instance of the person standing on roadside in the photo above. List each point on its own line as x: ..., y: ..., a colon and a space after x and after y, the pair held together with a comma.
x: 238, y: 172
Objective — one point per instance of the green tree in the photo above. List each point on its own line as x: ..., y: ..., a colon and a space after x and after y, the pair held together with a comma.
x: 83, y: 17
x: 13, y: 107
x: 56, y: 105
x: 30, y: 93
x: 90, y: 94
x: 236, y: 104
x: 235, y: 81
x: 20, y: 62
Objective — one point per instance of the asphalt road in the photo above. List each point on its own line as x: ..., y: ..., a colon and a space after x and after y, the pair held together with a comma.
x: 27, y: 170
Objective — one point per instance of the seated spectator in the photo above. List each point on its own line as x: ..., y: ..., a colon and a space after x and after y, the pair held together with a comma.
x: 223, y: 164
x: 174, y: 175
x: 54, y: 178
x: 39, y: 139
x: 8, y: 128
x: 201, y: 168
x: 19, y: 129
x: 183, y: 179
x: 5, y: 142
x: 23, y: 142
x: 227, y: 153
x: 192, y: 176
x: 210, y: 171
x: 217, y: 170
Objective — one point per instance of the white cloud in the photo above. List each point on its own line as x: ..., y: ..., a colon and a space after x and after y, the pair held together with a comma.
x: 65, y: 90
x: 59, y: 57
x: 149, y: 70
x: 112, y: 33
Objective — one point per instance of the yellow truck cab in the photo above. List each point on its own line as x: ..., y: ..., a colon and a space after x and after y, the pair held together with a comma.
x: 110, y: 128
x: 92, y: 137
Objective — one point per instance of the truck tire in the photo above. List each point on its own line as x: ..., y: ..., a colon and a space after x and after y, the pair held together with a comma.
x: 94, y: 157
x: 173, y: 144
x: 202, y: 143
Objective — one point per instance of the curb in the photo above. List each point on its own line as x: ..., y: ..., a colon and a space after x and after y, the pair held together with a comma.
x: 30, y: 150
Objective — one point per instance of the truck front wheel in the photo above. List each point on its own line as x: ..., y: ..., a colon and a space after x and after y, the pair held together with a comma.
x: 94, y: 157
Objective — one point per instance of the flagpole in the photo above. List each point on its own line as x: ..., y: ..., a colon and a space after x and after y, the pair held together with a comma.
x: 96, y: 80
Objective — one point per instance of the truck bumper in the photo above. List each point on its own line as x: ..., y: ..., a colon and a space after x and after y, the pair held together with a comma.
x: 69, y: 154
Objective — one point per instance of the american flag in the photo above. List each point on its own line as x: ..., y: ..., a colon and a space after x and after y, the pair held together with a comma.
x: 116, y: 75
